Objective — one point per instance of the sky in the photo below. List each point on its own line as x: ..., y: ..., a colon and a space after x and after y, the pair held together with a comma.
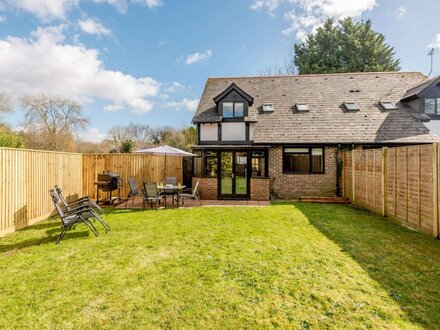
x: 146, y: 61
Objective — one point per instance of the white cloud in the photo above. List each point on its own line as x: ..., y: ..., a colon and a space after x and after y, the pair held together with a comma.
x: 93, y: 26
x: 187, y: 104
x: 306, y: 16
x: 44, y: 63
x: 93, y: 134
x: 435, y: 42
x: 400, y: 12
x: 199, y: 57
x: 122, y: 5
x: 43, y: 9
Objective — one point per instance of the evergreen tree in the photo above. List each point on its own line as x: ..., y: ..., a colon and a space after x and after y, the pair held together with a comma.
x: 345, y: 47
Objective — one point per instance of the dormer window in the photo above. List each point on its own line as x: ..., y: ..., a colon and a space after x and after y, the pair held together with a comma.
x: 351, y: 106
x: 432, y: 106
x: 233, y: 109
x: 387, y: 105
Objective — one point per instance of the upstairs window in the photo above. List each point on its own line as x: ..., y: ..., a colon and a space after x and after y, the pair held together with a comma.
x: 302, y: 107
x: 351, y: 106
x: 268, y: 107
x: 233, y: 109
x: 432, y: 106
x: 303, y: 160
x: 387, y: 105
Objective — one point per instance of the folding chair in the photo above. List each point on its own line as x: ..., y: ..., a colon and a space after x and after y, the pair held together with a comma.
x: 151, y: 194
x: 82, y: 203
x: 71, y: 219
x: 134, y: 191
x: 194, y: 194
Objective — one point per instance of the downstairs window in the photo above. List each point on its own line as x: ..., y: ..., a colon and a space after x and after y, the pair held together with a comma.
x: 303, y: 160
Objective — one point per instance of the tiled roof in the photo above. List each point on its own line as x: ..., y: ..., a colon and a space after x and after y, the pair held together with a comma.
x: 326, y: 121
x: 415, y: 90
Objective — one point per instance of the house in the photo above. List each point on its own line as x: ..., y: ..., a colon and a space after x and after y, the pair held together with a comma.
x: 283, y: 135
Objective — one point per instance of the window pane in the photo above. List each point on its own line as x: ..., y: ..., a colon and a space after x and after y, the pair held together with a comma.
x: 317, y: 160
x: 211, y: 166
x: 299, y: 163
x: 239, y: 109
x: 430, y: 106
x: 197, y: 166
x: 296, y: 150
x: 257, y: 153
x: 438, y: 106
x: 210, y: 153
x: 228, y: 109
x: 258, y: 166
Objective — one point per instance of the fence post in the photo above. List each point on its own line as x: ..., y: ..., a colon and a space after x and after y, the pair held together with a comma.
x: 353, y: 174
x: 384, y: 181
x: 435, y: 169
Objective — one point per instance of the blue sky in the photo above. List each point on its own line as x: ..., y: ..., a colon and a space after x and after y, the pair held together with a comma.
x: 146, y: 61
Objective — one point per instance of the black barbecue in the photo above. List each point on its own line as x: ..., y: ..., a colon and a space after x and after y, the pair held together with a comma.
x: 108, y: 182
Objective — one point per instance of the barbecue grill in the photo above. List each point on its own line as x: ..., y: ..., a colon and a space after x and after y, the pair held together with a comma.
x: 108, y: 182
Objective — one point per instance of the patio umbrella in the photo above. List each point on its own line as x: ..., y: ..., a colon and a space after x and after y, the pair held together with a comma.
x: 167, y: 151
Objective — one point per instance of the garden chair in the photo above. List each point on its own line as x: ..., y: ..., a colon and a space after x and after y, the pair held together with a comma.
x: 193, y: 194
x: 82, y: 203
x: 171, y: 180
x: 151, y: 195
x: 70, y: 219
x: 134, y: 191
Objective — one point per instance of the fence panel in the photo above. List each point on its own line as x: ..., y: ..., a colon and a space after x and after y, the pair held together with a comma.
x: 26, y: 178
x: 142, y: 167
x: 400, y: 182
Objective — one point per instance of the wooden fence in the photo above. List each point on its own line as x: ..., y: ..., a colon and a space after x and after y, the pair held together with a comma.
x: 26, y: 178
x: 142, y: 167
x: 401, y: 183
x: 28, y: 175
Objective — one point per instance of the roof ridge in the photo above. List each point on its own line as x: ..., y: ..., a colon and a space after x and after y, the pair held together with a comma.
x: 320, y: 74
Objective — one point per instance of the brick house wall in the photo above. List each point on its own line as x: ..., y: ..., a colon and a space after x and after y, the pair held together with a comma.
x: 288, y: 186
x: 260, y: 189
x: 207, y: 187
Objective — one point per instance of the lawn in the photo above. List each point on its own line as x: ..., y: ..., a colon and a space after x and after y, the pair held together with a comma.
x: 287, y: 266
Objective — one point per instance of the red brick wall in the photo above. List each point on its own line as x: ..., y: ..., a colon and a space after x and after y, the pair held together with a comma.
x: 288, y: 186
x: 260, y: 189
x: 207, y: 187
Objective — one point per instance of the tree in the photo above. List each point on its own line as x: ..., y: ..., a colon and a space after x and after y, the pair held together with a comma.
x: 9, y: 139
x: 5, y: 103
x: 128, y: 146
x: 140, y: 134
x: 50, y: 122
x: 284, y: 69
x: 345, y: 47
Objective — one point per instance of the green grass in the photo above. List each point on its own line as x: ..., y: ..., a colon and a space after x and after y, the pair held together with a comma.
x: 288, y: 266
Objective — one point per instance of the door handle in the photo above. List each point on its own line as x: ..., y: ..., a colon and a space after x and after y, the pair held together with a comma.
x: 232, y: 175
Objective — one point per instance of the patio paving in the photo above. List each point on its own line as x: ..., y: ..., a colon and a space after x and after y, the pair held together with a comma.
x: 137, y: 204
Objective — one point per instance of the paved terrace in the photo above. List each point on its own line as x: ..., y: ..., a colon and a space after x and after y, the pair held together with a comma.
x: 137, y: 204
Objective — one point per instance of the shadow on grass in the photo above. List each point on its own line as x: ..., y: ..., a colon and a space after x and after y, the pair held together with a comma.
x: 41, y: 240
x: 405, y: 263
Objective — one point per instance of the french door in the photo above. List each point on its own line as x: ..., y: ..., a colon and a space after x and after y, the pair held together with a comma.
x: 233, y: 175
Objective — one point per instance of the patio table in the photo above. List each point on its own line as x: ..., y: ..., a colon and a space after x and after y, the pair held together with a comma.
x: 171, y: 190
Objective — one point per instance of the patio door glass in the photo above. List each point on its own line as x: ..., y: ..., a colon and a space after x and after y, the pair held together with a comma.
x: 233, y: 174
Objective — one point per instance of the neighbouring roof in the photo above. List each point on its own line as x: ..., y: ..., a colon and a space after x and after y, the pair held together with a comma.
x: 327, y: 121
x: 417, y: 89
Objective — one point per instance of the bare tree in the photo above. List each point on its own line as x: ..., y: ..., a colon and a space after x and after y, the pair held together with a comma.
x: 50, y: 122
x: 140, y: 134
x: 116, y: 136
x: 5, y: 102
x: 284, y: 69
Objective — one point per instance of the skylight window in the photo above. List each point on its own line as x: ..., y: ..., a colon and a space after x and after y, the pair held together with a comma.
x: 302, y: 107
x: 387, y: 105
x: 268, y: 107
x: 351, y: 106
